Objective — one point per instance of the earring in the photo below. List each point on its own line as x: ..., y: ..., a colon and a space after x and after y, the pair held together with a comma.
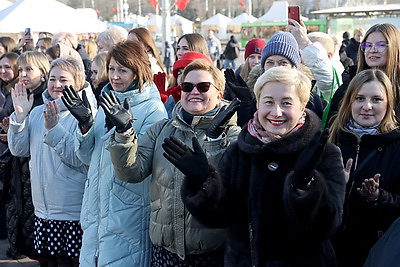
x: 43, y: 79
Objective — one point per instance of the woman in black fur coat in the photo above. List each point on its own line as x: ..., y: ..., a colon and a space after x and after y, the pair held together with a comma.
x: 279, y: 189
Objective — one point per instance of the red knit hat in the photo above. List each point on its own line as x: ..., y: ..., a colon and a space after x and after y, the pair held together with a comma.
x: 186, y: 59
x: 254, y: 46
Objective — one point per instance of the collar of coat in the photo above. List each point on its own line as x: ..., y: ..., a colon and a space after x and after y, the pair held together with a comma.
x: 292, y: 143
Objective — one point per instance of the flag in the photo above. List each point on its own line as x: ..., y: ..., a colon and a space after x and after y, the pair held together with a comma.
x: 181, y: 4
x: 154, y: 3
x: 242, y: 3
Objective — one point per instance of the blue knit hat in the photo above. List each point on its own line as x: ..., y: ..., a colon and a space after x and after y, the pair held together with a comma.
x: 282, y: 44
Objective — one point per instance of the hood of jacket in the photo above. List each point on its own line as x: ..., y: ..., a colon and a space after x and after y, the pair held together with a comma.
x: 200, y: 121
x: 136, y: 97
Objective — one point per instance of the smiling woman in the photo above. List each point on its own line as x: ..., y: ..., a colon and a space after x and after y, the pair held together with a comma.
x: 57, y: 190
x: 202, y: 119
x: 365, y: 129
x: 279, y: 189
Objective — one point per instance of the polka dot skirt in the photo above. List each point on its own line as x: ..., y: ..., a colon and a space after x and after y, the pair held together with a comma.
x: 57, y: 238
x: 163, y: 258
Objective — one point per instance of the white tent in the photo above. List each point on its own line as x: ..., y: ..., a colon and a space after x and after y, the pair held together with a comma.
x: 46, y: 15
x: 154, y: 24
x: 218, y: 23
x: 278, y: 11
x: 235, y: 25
x: 4, y: 4
x: 181, y: 25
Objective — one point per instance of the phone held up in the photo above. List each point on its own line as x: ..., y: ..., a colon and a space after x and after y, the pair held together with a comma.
x: 294, y: 13
x: 28, y: 33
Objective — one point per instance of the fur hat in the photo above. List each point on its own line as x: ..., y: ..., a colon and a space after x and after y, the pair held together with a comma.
x: 282, y: 44
x: 254, y: 46
x: 186, y: 59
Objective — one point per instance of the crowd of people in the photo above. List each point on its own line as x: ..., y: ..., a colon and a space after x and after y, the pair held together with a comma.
x: 111, y: 156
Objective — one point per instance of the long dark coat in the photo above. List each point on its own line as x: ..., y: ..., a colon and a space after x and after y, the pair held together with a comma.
x: 253, y: 187
x: 19, y: 208
x: 365, y: 222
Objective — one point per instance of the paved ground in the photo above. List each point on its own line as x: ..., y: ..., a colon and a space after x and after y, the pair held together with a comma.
x: 7, y: 262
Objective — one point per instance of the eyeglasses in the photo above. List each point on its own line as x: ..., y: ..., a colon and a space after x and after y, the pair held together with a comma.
x: 201, y: 87
x: 379, y: 46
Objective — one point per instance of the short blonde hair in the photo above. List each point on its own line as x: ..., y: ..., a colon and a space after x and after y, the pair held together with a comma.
x: 73, y: 66
x: 287, y: 76
x: 359, y: 30
x: 37, y: 59
x: 324, y: 39
x: 202, y: 64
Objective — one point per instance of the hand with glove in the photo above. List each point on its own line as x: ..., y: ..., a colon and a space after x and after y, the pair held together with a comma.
x: 160, y: 80
x: 119, y: 116
x: 220, y: 121
x: 79, y: 108
x: 237, y: 85
x: 192, y: 163
x: 308, y: 160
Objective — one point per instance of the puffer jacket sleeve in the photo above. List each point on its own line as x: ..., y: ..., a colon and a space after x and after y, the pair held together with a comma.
x: 211, y: 205
x: 133, y: 160
x: 18, y: 137
x: 319, y: 209
x: 84, y: 145
x: 316, y: 59
x: 62, y: 141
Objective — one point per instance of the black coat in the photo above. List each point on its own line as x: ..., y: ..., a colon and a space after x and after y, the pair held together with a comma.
x: 364, y: 222
x: 20, y: 210
x: 288, y: 229
x: 232, y: 49
x: 352, y: 50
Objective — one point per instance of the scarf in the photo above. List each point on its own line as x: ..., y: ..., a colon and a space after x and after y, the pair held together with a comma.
x: 360, y: 130
x: 256, y: 130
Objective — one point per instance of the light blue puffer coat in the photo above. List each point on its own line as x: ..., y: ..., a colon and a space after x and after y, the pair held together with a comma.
x: 115, y: 214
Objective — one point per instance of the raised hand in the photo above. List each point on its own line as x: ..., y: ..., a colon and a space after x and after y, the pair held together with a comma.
x: 220, y: 121
x: 237, y: 85
x: 308, y: 160
x: 160, y: 80
x: 79, y: 108
x: 370, y: 188
x: 299, y: 31
x: 22, y: 104
x: 118, y: 115
x: 51, y: 115
x: 192, y: 163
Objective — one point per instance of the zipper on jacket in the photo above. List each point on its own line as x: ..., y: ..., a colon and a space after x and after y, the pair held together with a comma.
x: 357, y: 152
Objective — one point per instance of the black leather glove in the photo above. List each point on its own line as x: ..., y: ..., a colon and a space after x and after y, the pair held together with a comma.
x: 309, y: 159
x: 119, y: 116
x: 192, y: 163
x: 218, y: 124
x: 79, y: 108
x: 237, y: 85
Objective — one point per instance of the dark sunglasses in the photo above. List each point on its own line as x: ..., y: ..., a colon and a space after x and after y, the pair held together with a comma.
x: 201, y: 87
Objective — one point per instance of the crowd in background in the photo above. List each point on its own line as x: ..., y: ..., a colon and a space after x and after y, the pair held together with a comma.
x: 114, y: 154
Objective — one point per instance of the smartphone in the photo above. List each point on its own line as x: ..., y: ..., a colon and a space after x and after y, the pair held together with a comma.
x: 294, y: 13
x: 28, y: 32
